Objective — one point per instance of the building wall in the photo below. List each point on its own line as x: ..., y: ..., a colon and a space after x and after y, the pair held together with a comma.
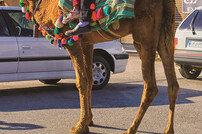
x: 10, y: 2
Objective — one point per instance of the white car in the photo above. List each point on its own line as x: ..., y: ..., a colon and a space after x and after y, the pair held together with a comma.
x: 188, y: 41
x: 23, y: 57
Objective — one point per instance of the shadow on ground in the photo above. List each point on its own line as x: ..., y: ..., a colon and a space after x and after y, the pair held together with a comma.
x: 65, y: 95
x: 18, y: 126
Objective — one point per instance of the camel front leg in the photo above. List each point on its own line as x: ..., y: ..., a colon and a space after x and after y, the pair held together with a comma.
x: 150, y: 88
x: 82, y: 83
x: 88, y: 58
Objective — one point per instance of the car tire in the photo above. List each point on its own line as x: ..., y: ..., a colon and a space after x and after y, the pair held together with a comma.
x: 101, y: 72
x: 189, y: 72
x: 52, y: 81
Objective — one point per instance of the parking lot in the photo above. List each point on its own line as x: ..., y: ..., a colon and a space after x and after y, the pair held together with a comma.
x: 34, y: 108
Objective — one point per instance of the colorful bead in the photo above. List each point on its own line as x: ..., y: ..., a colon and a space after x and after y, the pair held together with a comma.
x: 48, y: 37
x: 52, y: 41
x: 64, y: 41
x: 69, y: 43
x: 75, y: 37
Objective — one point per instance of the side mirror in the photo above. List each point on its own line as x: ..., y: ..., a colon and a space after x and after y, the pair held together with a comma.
x: 36, y: 32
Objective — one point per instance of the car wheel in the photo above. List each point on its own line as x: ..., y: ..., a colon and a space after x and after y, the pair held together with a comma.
x: 101, y: 72
x: 189, y: 72
x: 53, y: 81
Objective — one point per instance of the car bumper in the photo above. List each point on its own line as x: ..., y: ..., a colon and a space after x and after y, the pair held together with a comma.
x: 188, y: 57
x: 120, y: 62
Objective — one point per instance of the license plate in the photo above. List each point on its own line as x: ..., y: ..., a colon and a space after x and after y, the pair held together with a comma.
x: 194, y: 44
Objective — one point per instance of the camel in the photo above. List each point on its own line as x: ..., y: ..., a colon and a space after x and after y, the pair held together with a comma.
x: 152, y: 28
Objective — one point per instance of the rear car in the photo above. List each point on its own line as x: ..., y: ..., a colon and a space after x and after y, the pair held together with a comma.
x: 23, y: 57
x: 188, y: 45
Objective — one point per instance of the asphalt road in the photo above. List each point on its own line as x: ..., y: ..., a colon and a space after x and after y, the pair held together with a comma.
x: 34, y: 108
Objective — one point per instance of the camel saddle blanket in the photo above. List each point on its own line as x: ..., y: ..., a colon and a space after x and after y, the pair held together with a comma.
x: 116, y: 9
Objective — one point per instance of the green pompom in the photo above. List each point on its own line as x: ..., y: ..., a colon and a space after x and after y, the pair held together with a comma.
x: 22, y: 1
x: 69, y: 43
x: 48, y: 37
x: 57, y: 30
x: 21, y: 4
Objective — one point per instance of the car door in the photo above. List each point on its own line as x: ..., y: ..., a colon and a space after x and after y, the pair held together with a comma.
x: 36, y: 54
x: 8, y: 49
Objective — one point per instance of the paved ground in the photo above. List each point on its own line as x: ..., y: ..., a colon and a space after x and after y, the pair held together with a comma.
x: 34, y: 108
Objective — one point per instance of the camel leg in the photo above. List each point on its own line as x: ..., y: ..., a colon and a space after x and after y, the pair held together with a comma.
x: 167, y: 55
x: 77, y: 56
x: 88, y: 58
x: 150, y: 87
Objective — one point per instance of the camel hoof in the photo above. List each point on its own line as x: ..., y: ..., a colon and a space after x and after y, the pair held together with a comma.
x: 169, y: 131
x: 91, y: 123
x: 80, y: 130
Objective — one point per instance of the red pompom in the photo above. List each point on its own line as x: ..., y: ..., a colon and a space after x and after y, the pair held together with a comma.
x: 94, y: 16
x: 75, y: 37
x: 57, y: 37
x: 63, y: 41
x: 92, y: 6
x: 28, y: 15
x: 100, y: 13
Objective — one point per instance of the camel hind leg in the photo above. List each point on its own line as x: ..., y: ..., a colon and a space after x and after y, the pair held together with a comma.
x: 148, y: 53
x: 166, y: 52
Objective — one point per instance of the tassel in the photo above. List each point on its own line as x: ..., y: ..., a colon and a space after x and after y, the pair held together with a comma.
x: 100, y: 13
x: 94, y: 16
x: 107, y: 10
x: 92, y: 6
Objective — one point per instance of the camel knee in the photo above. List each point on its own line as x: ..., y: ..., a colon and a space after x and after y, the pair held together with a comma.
x: 173, y: 89
x: 150, y: 93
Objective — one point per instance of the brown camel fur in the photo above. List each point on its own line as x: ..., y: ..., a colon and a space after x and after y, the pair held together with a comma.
x: 152, y: 30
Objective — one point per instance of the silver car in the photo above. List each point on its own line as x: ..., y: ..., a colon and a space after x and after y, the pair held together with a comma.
x: 23, y: 57
x: 188, y: 44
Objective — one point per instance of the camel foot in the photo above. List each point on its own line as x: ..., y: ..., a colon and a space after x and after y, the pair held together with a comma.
x: 130, y: 131
x: 80, y: 129
x: 169, y: 131
x: 91, y: 123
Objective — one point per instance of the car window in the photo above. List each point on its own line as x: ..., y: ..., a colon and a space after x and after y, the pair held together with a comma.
x: 24, y: 27
x: 3, y: 27
x: 198, y: 22
x: 187, y: 21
